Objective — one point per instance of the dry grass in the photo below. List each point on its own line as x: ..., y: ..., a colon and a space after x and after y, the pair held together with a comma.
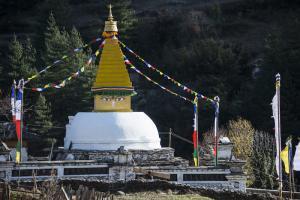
x: 155, y: 196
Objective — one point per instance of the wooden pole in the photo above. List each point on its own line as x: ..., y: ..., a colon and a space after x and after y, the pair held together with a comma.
x: 279, y: 132
x: 216, y: 127
x: 197, y: 131
x: 290, y: 168
x: 22, y: 115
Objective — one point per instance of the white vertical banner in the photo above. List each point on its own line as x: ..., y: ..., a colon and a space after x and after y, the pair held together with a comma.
x: 296, y: 162
x: 275, y: 116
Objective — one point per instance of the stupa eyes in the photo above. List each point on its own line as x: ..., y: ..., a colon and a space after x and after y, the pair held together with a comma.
x: 119, y: 98
x: 116, y: 99
x: 105, y: 99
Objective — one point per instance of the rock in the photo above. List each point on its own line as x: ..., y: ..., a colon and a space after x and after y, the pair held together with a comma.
x: 120, y: 193
x: 169, y: 191
x: 160, y: 192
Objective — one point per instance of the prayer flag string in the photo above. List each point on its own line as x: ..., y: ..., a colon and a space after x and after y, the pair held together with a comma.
x: 185, y: 88
x: 74, y: 75
x: 127, y: 62
x: 64, y: 57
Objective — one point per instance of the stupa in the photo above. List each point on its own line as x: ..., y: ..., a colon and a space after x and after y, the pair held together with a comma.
x: 113, y: 143
x: 112, y: 123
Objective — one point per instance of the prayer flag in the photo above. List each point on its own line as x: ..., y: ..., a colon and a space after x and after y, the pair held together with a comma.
x: 18, y: 113
x: 195, y: 142
x: 275, y: 116
x: 296, y: 162
x: 18, y: 123
x: 285, y: 158
x: 13, y: 104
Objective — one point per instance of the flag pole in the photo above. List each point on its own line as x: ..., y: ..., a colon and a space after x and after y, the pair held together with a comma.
x: 290, y: 153
x: 197, y: 130
x: 216, y: 122
x: 279, y: 132
x: 22, y: 112
x: 15, y: 94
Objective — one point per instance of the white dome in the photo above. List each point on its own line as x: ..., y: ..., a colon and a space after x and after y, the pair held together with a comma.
x: 110, y: 130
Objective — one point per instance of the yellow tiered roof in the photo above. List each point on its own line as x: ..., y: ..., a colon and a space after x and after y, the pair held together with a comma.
x: 112, y: 73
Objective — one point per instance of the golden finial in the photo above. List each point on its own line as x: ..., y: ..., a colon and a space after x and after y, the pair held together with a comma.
x: 110, y: 16
x: 110, y: 28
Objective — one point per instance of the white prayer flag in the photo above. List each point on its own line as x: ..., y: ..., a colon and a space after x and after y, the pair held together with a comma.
x: 296, y: 162
x: 275, y: 116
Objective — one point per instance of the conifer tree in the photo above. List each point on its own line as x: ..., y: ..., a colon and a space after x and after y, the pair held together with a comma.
x: 21, y: 60
x: 55, y: 46
x: 15, y: 53
x: 83, y: 83
x: 40, y: 122
x: 61, y: 10
x: 58, y: 43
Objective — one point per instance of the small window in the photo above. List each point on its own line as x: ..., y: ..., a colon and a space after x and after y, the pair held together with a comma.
x: 38, y: 172
x: 173, y: 177
x: 86, y: 171
x: 204, y: 177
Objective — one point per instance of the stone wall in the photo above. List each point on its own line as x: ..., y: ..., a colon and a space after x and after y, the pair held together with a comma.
x: 163, y: 156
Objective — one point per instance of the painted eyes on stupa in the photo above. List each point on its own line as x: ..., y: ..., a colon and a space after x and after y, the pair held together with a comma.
x: 117, y: 99
x: 120, y: 99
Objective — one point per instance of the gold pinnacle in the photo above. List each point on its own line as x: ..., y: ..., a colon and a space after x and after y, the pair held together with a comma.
x: 110, y: 16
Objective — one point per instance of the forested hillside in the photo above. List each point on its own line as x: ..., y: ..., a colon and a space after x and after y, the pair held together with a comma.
x: 226, y: 48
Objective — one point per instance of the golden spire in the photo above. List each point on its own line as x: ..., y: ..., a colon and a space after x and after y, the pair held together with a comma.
x: 110, y: 16
x: 112, y: 86
x: 110, y: 28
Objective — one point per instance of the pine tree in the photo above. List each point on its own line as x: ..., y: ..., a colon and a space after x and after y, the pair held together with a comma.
x: 261, y: 167
x: 15, y: 53
x: 55, y: 46
x: 84, y: 82
x: 21, y: 60
x: 40, y: 122
x: 58, y: 43
x: 29, y: 56
x: 61, y: 10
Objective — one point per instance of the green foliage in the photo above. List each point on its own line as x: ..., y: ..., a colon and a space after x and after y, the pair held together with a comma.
x: 262, y: 172
x: 210, y: 54
x: 61, y: 10
x: 215, y: 13
x: 41, y: 120
x: 21, y: 61
x: 77, y: 93
x: 282, y: 55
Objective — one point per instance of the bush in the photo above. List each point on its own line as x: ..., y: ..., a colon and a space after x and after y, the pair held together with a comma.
x: 241, y: 133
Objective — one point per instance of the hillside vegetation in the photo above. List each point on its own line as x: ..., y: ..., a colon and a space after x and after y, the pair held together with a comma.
x: 226, y: 48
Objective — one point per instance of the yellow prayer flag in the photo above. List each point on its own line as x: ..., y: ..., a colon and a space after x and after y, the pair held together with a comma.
x: 196, y: 162
x: 284, y: 154
x: 18, y: 157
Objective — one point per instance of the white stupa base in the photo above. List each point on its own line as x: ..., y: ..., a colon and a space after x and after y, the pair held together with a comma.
x: 110, y: 130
